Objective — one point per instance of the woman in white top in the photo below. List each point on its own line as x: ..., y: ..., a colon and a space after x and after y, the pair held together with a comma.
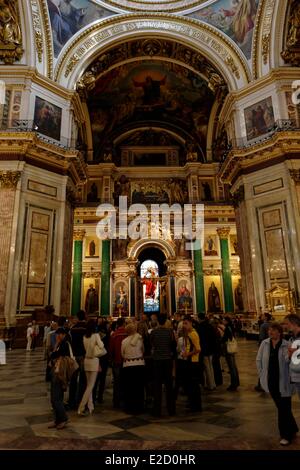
x: 29, y: 334
x: 91, y: 365
x: 132, y: 350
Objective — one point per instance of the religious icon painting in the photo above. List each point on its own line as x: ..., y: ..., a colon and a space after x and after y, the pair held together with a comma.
x: 91, y: 247
x: 211, y: 245
x: 151, y: 286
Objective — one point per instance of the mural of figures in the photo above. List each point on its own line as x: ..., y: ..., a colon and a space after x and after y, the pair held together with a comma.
x: 236, y: 18
x: 259, y: 118
x: 211, y: 246
x: 238, y: 296
x: 47, y: 118
x: 157, y: 91
x: 91, y: 300
x: 69, y: 16
x: 185, y: 301
x: 214, y: 303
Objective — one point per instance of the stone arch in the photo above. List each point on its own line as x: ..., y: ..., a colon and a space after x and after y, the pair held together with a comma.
x: 215, y: 46
x: 136, y: 247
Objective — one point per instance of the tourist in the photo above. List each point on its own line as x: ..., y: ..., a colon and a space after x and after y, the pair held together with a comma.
x: 50, y: 346
x: 263, y: 334
x: 191, y: 355
x: 273, y: 369
x: 117, y: 361
x: 229, y: 356
x: 180, y: 366
x: 35, y: 334
x: 62, y: 349
x: 163, y: 346
x: 47, y: 329
x: 292, y: 321
x: 103, y: 330
x: 29, y: 333
x: 216, y: 360
x: 208, y: 341
x: 132, y: 350
x: 92, y: 345
x: 78, y: 381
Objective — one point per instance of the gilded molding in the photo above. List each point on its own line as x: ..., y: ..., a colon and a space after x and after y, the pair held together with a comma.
x: 223, y: 232
x: 152, y: 5
x: 9, y: 179
x: 265, y: 48
x: 187, y: 27
x: 38, y: 29
x: 48, y: 33
x: 78, y: 235
x: 255, y: 39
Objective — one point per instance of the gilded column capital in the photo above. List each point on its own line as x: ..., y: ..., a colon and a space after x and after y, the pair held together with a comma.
x: 295, y: 175
x: 9, y: 179
x: 223, y: 232
x: 78, y: 235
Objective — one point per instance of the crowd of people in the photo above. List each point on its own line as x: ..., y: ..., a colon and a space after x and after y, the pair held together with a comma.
x: 182, y: 355
x: 178, y: 355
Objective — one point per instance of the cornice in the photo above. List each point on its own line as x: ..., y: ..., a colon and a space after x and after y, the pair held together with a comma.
x: 281, y: 146
x: 275, y: 75
x: 27, y: 146
x: 30, y: 73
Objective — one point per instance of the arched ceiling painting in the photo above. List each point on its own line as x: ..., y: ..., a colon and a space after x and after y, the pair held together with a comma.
x: 236, y: 18
x: 153, y: 93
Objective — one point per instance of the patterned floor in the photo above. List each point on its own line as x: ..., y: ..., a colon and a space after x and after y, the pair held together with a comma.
x: 230, y: 420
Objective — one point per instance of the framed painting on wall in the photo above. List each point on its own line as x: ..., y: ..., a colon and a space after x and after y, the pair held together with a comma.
x: 259, y: 118
x: 47, y: 118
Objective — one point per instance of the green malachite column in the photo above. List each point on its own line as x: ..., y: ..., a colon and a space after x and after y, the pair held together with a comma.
x: 77, y: 271
x: 226, y: 271
x: 105, y: 279
x: 199, y: 282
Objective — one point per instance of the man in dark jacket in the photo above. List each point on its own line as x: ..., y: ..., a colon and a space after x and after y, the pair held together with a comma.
x: 208, y: 343
x: 163, y: 346
x: 78, y: 381
x: 117, y: 362
x: 57, y: 390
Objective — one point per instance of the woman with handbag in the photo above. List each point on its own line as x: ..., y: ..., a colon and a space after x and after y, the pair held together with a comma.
x: 230, y: 349
x: 94, y: 348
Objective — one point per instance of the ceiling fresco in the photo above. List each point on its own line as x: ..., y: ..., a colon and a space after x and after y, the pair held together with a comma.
x: 235, y: 18
x: 153, y: 92
x: 70, y: 16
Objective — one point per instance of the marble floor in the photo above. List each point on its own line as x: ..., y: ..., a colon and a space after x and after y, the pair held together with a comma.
x: 242, y: 420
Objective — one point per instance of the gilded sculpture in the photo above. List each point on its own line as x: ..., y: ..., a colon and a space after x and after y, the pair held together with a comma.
x: 291, y: 54
x: 10, y: 32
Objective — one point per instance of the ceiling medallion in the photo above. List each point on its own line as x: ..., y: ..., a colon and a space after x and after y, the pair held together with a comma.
x: 155, y: 5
